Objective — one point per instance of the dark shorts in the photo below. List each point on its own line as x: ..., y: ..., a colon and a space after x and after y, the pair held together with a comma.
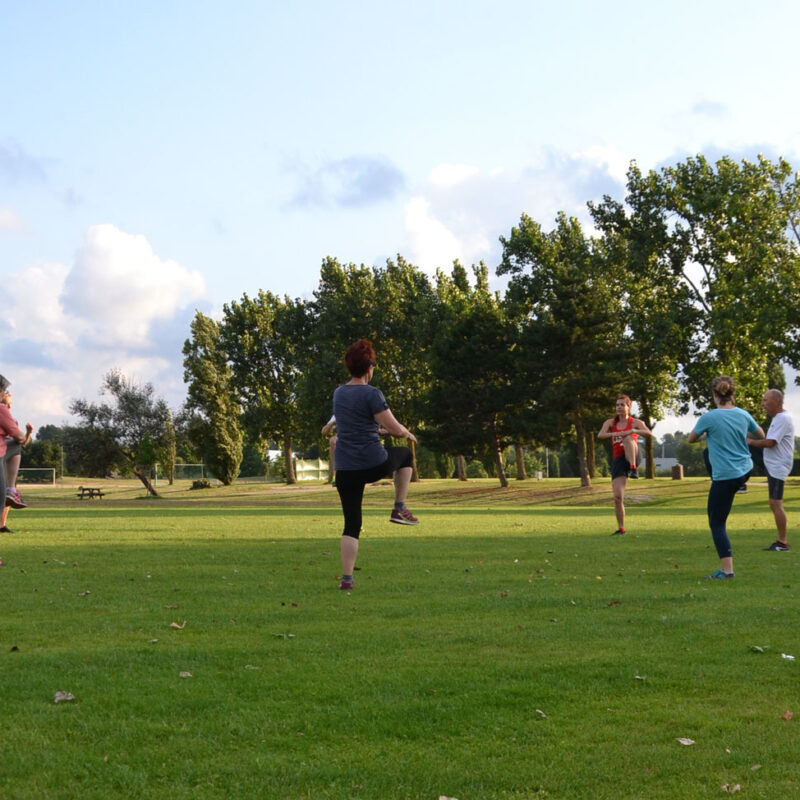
x: 620, y: 467
x: 775, y: 487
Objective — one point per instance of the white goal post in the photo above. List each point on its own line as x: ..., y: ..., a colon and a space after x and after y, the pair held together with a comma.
x: 37, y: 475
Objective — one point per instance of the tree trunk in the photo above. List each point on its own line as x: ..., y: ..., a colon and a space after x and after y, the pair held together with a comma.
x: 461, y: 468
x: 590, y: 455
x: 288, y: 459
x: 414, y: 470
x: 521, y: 474
x: 331, y: 451
x: 142, y: 476
x: 498, y: 460
x: 649, y: 451
x: 583, y: 468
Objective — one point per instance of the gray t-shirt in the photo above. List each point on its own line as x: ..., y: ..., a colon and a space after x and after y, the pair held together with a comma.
x: 358, y: 445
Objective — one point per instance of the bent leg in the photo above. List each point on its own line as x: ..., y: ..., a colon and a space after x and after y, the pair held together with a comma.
x: 631, y: 450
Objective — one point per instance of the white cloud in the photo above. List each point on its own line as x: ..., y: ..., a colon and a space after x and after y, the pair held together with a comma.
x: 119, y: 306
x: 11, y: 221
x: 461, y: 210
x: 606, y: 158
x: 447, y: 175
x: 119, y: 286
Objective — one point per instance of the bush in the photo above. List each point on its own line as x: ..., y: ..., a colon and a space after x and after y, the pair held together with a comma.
x: 475, y: 469
x: 201, y: 484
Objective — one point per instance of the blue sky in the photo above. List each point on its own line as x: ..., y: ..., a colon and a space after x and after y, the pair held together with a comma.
x: 162, y: 157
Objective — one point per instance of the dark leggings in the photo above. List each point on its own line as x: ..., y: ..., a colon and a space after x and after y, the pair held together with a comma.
x: 350, y: 484
x: 720, y: 501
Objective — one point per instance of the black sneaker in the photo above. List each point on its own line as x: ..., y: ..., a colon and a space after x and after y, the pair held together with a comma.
x: 634, y: 473
x: 618, y: 532
x: 6, y: 529
x: 778, y: 545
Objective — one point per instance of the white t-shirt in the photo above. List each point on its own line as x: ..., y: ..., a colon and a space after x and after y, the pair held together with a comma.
x: 779, y: 459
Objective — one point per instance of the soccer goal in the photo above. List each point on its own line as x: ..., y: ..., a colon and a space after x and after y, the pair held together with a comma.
x: 183, y: 472
x: 37, y: 475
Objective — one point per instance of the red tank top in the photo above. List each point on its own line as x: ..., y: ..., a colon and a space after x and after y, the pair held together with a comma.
x: 617, y: 449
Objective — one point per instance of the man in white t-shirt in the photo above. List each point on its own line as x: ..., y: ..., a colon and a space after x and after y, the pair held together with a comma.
x: 778, y: 447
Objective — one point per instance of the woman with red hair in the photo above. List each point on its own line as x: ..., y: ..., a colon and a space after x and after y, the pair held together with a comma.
x: 360, y: 411
x: 624, y: 431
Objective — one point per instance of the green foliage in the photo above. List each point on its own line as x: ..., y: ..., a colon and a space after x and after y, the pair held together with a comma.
x: 42, y: 453
x: 569, y: 315
x: 212, y: 413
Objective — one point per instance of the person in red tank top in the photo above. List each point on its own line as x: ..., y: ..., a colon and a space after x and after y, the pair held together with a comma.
x: 624, y: 431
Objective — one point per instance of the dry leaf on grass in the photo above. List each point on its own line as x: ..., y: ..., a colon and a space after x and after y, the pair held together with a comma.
x: 184, y: 674
x: 84, y: 593
x: 685, y: 741
x: 640, y: 677
x: 63, y: 697
x: 541, y: 713
x: 787, y: 716
x: 178, y: 627
x: 726, y: 787
x: 787, y: 656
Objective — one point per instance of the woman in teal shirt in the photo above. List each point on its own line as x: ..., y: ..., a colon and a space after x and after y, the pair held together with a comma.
x: 726, y: 428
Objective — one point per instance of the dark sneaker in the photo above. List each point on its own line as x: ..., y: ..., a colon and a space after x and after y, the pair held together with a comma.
x: 404, y: 517
x: 6, y: 529
x: 742, y: 489
x: 778, y: 545
x: 720, y: 573
x: 346, y: 585
x: 634, y: 473
x: 618, y: 532
x: 14, y: 498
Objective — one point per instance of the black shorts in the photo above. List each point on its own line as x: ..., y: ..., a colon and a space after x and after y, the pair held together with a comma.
x: 620, y: 467
x: 775, y: 487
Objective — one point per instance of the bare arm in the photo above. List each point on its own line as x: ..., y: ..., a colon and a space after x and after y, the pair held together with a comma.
x: 761, y: 440
x: 387, y: 421
x: 328, y: 427
x: 605, y: 431
x: 692, y: 437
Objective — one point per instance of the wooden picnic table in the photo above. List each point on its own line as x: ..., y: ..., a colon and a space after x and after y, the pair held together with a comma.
x: 90, y: 491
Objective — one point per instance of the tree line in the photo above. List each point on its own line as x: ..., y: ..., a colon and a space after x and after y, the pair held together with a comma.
x: 694, y: 273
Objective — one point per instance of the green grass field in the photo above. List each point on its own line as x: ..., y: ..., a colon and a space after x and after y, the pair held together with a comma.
x: 507, y: 647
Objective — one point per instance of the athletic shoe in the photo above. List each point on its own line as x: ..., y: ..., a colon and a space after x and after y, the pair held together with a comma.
x: 742, y: 489
x: 6, y: 529
x: 347, y: 585
x: 778, y: 545
x: 618, y: 532
x: 403, y: 517
x: 14, y: 498
x: 634, y: 473
x: 720, y: 573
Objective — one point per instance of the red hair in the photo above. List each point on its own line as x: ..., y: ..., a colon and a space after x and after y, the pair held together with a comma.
x: 359, y: 358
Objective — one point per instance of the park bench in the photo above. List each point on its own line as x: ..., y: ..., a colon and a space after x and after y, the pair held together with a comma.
x: 90, y: 491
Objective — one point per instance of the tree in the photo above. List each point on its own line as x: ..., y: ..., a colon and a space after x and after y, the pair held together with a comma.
x: 262, y: 339
x: 657, y: 316
x: 569, y: 329
x: 212, y: 413
x: 132, y: 425
x: 470, y: 399
x: 734, y: 247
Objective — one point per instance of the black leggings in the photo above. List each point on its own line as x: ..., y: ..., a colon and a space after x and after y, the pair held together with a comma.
x: 720, y: 501
x: 350, y: 484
